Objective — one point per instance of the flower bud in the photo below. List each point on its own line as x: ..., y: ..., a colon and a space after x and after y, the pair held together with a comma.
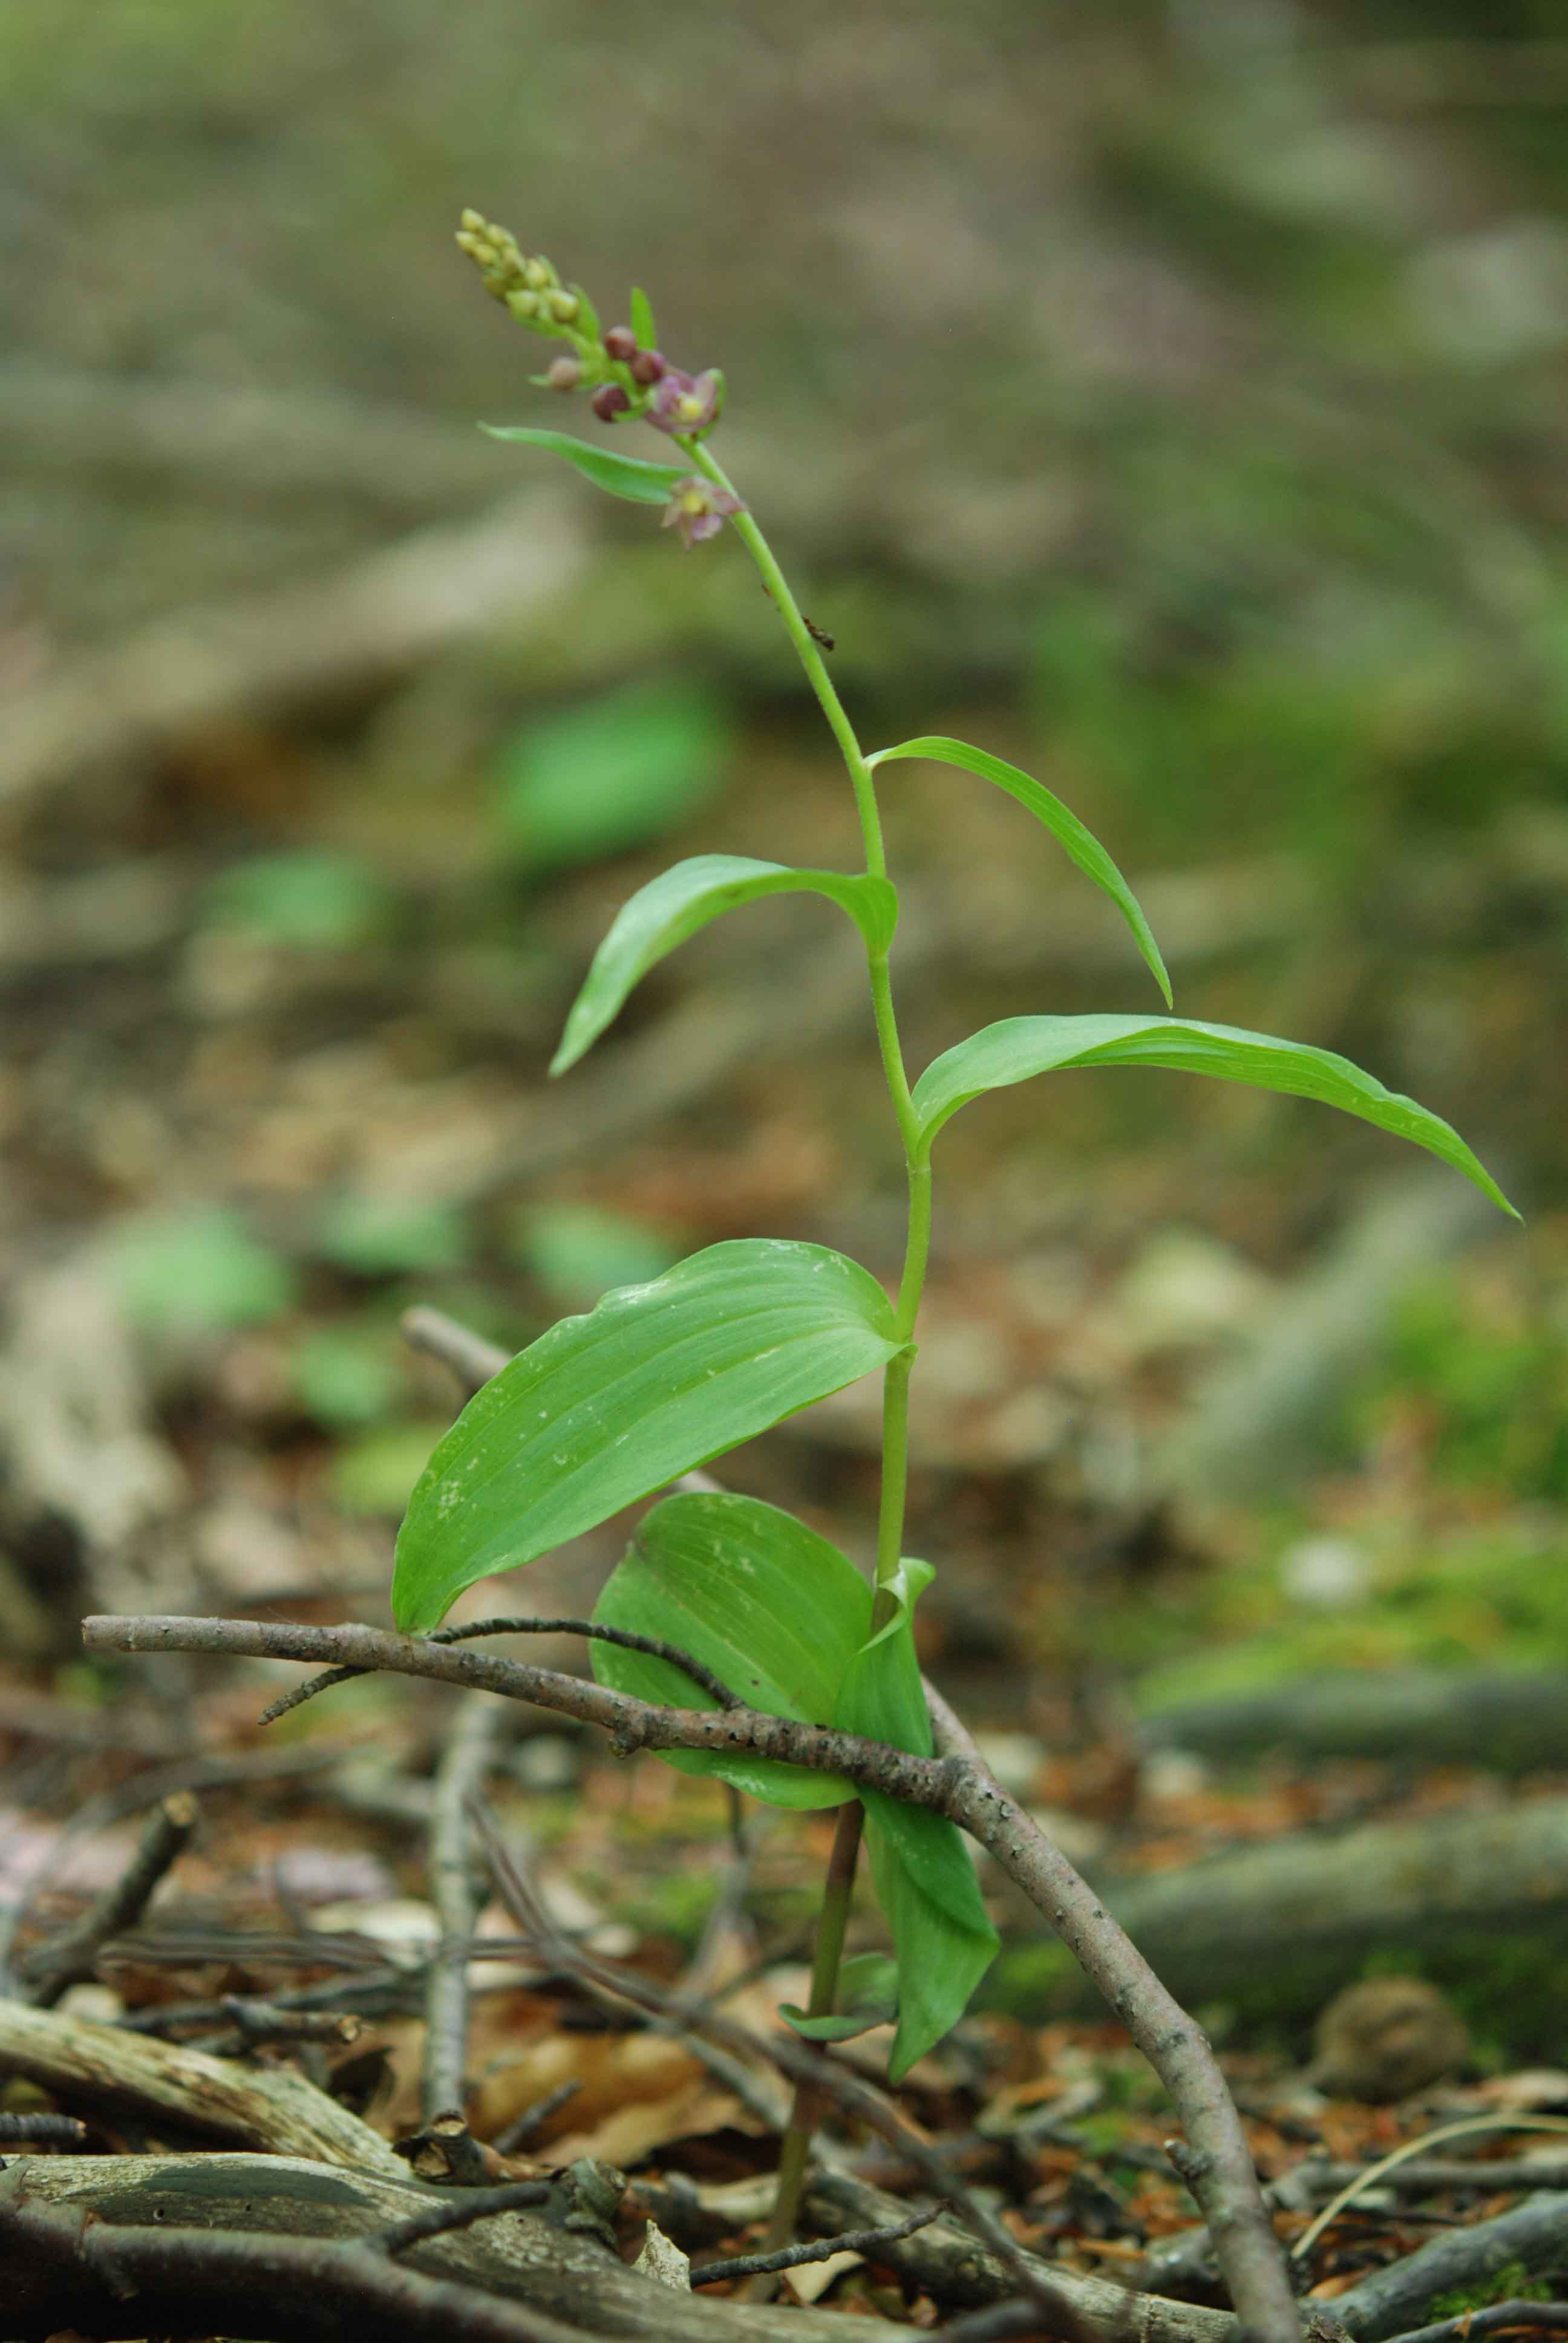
x: 538, y: 275
x: 647, y: 366
x: 524, y: 306
x: 562, y: 305
x: 609, y: 400
x: 620, y: 342
x: 564, y: 374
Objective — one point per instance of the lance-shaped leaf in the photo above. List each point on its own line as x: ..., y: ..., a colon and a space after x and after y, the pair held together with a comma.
x: 775, y: 1611
x: 921, y: 1864
x: 619, y: 475
x: 1019, y: 1047
x: 673, y: 906
x: 1063, y: 825
x: 643, y: 324
x: 605, y: 1408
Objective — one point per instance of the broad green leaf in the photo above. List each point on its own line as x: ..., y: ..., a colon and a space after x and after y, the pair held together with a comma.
x: 1063, y: 825
x: 1019, y: 1047
x: 643, y: 324
x: 605, y: 1408
x: 776, y: 1612
x: 924, y: 1877
x: 619, y: 475
x: 673, y: 906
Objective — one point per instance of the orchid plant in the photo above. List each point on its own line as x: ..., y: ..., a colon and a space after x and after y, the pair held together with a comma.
x: 658, y: 1379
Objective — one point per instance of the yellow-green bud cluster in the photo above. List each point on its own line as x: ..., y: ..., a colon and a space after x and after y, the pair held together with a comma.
x: 528, y: 284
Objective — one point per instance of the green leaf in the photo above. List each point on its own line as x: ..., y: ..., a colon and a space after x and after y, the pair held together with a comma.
x: 1019, y: 1047
x: 643, y: 324
x: 605, y: 1408
x: 775, y: 1611
x: 926, y: 1885
x: 924, y: 1877
x: 679, y: 901
x: 619, y: 475
x: 836, y: 2029
x: 1063, y: 825
x: 868, y: 1996
x: 622, y: 768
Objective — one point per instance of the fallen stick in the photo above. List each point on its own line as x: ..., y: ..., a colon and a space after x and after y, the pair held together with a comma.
x: 1222, y: 2174
x: 1509, y: 1721
x: 533, y: 2279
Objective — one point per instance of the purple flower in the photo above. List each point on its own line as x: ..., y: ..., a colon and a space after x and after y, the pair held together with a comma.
x: 685, y: 403
x: 699, y: 509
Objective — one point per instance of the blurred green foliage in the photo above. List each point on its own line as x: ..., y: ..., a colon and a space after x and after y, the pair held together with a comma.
x: 579, y: 1251
x: 623, y: 768
x: 388, y: 1236
x: 310, y: 899
x: 198, y: 1270
x: 347, y: 1376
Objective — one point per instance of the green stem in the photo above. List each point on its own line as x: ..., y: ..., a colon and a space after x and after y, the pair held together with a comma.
x: 797, y: 2144
x: 832, y: 1922
x: 810, y: 658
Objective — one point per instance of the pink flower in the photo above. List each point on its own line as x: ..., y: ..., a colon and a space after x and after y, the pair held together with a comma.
x: 699, y: 509
x: 686, y: 403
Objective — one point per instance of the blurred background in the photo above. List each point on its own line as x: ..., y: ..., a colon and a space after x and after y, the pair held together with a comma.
x: 1169, y: 397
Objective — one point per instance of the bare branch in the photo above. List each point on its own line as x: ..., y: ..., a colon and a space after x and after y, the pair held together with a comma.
x: 71, y: 1957
x: 866, y: 2242
x: 469, y: 1753
x: 1222, y: 2174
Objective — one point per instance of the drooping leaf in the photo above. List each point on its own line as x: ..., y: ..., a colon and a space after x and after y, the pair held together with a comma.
x: 926, y: 1885
x: 604, y: 1409
x: 1019, y: 1047
x: 774, y: 1610
x: 620, y: 768
x: 630, y: 476
x: 924, y: 1877
x: 673, y: 906
x: 643, y: 324
x: 1063, y: 825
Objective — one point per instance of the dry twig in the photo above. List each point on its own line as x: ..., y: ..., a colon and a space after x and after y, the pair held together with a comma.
x: 1222, y: 2174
